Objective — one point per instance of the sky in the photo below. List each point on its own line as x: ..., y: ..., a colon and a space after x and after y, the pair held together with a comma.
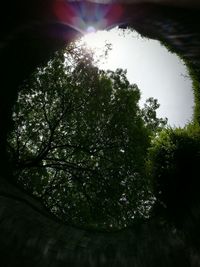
x: 157, y: 72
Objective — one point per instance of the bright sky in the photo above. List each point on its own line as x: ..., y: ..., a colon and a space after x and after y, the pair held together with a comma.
x: 157, y: 73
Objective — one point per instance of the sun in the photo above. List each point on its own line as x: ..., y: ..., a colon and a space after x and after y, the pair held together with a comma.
x: 90, y: 29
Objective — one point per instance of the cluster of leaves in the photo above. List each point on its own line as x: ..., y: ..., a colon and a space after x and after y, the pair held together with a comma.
x: 149, y: 115
x: 79, y: 142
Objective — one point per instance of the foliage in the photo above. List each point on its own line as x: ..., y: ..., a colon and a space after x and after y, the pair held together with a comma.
x: 194, y: 72
x: 150, y: 118
x: 174, y: 166
x: 79, y: 142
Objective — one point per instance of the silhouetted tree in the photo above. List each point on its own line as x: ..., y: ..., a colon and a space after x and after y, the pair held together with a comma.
x: 79, y: 141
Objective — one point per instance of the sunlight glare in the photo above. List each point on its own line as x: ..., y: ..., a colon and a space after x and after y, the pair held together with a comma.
x: 96, y: 39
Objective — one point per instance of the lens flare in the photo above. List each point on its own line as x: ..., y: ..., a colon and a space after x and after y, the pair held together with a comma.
x: 86, y: 16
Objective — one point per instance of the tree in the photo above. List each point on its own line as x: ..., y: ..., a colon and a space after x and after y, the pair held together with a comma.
x: 79, y: 142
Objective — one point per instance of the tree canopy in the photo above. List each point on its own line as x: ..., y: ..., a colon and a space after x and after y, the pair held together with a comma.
x: 79, y: 141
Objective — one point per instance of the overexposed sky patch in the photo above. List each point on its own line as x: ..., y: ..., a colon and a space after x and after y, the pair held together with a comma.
x: 157, y: 72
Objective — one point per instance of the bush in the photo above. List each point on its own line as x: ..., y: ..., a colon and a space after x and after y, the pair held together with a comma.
x: 174, y: 167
